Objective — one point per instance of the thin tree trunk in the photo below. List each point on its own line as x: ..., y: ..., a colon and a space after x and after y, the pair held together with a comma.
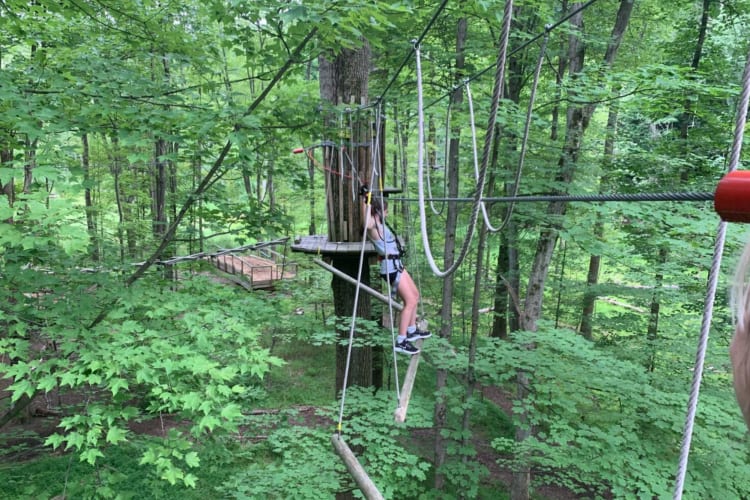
x: 8, y: 186
x: 449, y: 251
x: 470, y: 369
x: 577, y: 121
x: 592, y: 277
x: 653, y: 319
x: 88, y: 198
x: 686, y: 118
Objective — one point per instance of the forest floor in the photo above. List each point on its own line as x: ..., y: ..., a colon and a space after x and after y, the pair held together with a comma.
x: 42, y: 416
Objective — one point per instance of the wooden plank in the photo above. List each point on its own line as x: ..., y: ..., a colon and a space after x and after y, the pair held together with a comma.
x: 411, y: 374
x: 320, y: 244
x: 397, y: 306
x: 366, y: 486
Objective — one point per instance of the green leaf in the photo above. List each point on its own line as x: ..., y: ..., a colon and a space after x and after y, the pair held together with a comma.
x: 91, y: 455
x: 21, y: 388
x: 192, y: 459
x: 54, y: 440
x: 116, y: 384
x: 116, y: 435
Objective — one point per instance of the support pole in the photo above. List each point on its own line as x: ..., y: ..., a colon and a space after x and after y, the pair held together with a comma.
x: 411, y: 374
x: 365, y: 288
x: 366, y: 486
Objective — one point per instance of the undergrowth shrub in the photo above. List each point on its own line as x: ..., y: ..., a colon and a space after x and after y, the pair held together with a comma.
x: 607, y: 426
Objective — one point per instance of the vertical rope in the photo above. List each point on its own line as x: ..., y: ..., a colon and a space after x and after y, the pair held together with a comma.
x: 353, y: 322
x: 376, y: 167
x: 713, y: 279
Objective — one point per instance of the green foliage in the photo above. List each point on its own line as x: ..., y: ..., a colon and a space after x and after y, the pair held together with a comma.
x: 193, y: 353
x: 118, y: 475
x: 297, y: 461
x: 200, y: 356
x: 594, y: 416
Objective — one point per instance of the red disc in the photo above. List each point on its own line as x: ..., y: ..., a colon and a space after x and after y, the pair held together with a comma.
x: 732, y: 197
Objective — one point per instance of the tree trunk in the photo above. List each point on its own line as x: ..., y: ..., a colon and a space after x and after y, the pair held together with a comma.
x: 344, y: 80
x: 88, y: 198
x: 360, y: 365
x: 686, y: 118
x: 577, y: 121
x: 592, y: 277
x: 449, y: 251
x: 653, y: 319
x: 8, y: 189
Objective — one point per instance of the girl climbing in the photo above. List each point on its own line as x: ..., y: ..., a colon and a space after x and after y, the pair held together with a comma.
x: 392, y: 269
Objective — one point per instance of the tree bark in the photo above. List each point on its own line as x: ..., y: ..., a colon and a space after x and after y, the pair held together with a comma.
x: 578, y: 118
x: 449, y: 251
x: 344, y: 81
x: 88, y: 198
x: 592, y: 277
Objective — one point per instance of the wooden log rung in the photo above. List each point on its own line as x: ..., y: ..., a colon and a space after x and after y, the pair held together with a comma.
x: 397, y: 306
x: 365, y: 484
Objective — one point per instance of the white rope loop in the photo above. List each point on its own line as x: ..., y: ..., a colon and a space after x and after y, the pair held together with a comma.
x: 499, y: 78
x: 420, y: 187
x: 711, y: 292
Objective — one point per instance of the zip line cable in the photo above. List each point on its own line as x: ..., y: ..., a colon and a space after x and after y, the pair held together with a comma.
x: 713, y: 279
x: 627, y: 197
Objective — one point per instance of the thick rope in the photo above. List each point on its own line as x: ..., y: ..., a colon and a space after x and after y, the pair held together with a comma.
x: 489, y: 134
x: 499, y: 79
x: 526, y: 132
x: 711, y: 293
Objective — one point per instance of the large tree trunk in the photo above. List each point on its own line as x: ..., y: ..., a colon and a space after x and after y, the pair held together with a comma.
x: 344, y: 81
x: 449, y: 251
x: 577, y: 121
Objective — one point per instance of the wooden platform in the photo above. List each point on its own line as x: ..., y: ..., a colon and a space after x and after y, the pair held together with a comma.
x: 319, y: 244
x: 254, y: 272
